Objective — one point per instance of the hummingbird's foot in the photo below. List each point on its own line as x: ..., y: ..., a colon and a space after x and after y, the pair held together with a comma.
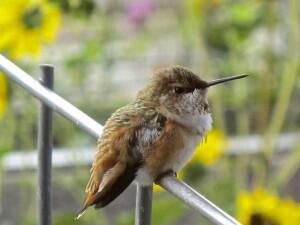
x: 166, y: 173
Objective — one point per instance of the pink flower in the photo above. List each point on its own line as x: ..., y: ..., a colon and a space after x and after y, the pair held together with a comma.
x: 139, y: 10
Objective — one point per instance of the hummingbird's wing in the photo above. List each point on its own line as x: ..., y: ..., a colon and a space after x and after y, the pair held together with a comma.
x: 118, y: 157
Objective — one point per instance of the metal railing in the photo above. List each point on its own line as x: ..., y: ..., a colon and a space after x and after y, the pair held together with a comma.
x: 144, y: 194
x: 45, y: 144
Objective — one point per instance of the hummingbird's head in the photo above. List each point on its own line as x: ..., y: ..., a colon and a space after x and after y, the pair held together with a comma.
x: 179, y: 92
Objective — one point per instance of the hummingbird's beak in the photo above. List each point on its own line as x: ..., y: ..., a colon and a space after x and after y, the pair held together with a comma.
x: 222, y: 80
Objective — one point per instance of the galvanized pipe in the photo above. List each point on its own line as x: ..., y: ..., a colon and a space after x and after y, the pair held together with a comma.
x: 176, y: 187
x: 143, y: 207
x: 45, y: 144
x: 196, y: 201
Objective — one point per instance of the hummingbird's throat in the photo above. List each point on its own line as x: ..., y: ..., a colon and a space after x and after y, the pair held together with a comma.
x: 194, y: 103
x: 190, y: 110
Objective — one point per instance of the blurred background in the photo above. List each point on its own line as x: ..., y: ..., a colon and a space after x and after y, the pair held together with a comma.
x: 104, y: 51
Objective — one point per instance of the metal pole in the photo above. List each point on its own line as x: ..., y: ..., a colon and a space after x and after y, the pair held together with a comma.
x: 196, y: 201
x: 45, y: 153
x: 179, y: 188
x: 143, y: 206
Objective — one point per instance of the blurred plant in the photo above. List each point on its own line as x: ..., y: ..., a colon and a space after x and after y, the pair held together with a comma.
x: 3, y: 94
x: 262, y: 207
x: 26, y: 25
x: 77, y: 7
x: 235, y: 24
x: 161, y: 213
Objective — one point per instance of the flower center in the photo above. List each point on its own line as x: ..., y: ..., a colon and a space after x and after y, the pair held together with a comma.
x: 258, y: 219
x: 32, y: 17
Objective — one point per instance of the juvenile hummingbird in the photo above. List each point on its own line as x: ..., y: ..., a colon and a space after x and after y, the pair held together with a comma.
x: 154, y: 134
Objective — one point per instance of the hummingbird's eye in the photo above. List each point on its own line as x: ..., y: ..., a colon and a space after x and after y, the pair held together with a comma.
x: 179, y: 90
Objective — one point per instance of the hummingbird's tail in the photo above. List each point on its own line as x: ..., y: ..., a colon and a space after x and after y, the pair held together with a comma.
x: 80, y: 214
x: 112, y: 185
x: 86, y: 204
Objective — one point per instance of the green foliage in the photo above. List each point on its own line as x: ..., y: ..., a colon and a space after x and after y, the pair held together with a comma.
x: 76, y: 8
x: 167, y: 210
x: 161, y: 212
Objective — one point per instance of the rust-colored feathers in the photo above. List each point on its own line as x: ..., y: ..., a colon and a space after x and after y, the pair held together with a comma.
x: 117, y: 160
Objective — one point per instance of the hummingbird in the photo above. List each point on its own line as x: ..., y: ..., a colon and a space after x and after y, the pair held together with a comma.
x: 154, y: 134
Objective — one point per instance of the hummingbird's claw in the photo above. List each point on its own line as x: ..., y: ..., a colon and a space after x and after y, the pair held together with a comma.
x: 166, y: 173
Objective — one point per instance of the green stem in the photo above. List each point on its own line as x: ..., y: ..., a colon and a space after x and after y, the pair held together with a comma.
x: 289, y: 168
x: 264, y: 92
x: 287, y: 82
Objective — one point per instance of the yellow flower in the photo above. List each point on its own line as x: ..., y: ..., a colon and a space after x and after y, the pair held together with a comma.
x: 288, y: 213
x: 157, y: 188
x: 256, y: 204
x: 261, y: 207
x: 25, y: 25
x: 211, y: 148
x: 3, y: 94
